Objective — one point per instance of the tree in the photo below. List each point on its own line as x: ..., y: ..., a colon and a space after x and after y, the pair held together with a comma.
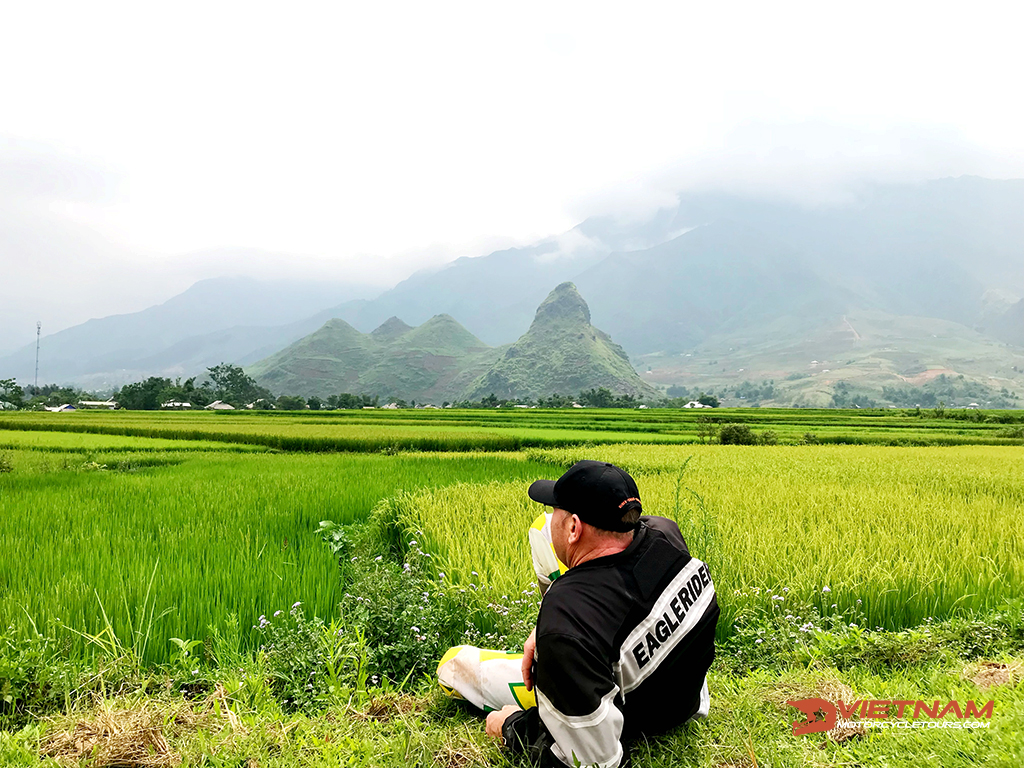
x: 315, y: 403
x: 601, y: 397
x: 349, y: 401
x: 707, y: 399
x: 233, y: 385
x: 736, y: 434
x: 290, y: 403
x: 555, y: 401
x: 10, y: 392
x: 706, y: 429
x: 145, y: 395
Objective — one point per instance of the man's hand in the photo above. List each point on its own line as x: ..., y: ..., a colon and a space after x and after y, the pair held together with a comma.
x: 529, y: 649
x: 496, y: 720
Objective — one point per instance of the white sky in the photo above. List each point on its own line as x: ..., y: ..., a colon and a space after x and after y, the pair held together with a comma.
x: 375, y: 137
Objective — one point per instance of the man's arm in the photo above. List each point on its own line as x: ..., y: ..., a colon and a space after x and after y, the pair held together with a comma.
x: 577, y: 716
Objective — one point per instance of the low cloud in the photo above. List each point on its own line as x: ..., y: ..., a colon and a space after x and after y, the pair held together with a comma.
x: 812, y: 163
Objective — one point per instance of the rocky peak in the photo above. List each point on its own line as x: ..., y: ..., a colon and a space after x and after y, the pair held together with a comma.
x: 563, y: 305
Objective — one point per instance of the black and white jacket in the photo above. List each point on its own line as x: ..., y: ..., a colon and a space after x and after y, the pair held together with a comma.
x: 624, y: 643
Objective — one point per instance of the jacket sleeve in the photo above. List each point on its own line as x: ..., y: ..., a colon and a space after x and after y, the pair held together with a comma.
x: 578, y: 719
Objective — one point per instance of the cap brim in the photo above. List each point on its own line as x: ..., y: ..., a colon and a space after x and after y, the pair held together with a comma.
x: 543, y: 492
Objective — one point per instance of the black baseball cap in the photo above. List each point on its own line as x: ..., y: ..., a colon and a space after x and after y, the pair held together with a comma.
x: 598, y: 492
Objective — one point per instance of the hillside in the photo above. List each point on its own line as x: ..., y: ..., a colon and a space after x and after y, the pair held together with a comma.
x: 430, y: 363
x: 863, y: 357
x: 223, y: 319
x: 561, y: 353
x: 710, y: 280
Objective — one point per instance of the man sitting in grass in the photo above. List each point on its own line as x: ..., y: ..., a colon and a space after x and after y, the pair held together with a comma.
x: 624, y: 638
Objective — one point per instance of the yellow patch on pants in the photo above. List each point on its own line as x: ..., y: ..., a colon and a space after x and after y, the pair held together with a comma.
x: 486, y: 679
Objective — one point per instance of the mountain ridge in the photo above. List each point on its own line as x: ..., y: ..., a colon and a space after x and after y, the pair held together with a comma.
x: 439, y: 360
x: 561, y: 353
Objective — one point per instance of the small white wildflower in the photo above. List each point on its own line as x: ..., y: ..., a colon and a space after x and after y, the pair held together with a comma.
x: 825, y: 590
x: 277, y: 613
x: 378, y: 558
x: 296, y: 605
x: 759, y: 640
x: 195, y: 671
x: 440, y: 575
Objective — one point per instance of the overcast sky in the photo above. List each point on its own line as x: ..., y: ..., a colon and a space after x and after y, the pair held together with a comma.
x: 144, y: 146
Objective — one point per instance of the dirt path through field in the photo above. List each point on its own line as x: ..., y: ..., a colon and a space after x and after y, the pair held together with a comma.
x: 856, y: 336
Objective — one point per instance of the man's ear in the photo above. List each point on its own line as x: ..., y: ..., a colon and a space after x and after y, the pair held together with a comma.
x: 576, y: 529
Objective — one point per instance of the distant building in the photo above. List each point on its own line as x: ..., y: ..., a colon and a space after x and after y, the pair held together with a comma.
x: 175, y: 405
x: 109, y: 405
x: 390, y: 406
x: 695, y: 404
x: 5, y: 406
x: 60, y: 408
x: 218, y: 405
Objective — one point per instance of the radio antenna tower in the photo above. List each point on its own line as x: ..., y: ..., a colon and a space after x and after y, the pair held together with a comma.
x: 39, y: 329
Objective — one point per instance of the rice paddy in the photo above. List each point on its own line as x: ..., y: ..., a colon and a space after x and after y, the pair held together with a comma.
x: 513, y: 429
x: 205, y: 536
x: 94, y: 509
x: 903, y: 534
x: 120, y: 532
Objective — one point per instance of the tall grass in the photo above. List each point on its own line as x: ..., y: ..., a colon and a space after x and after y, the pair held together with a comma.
x: 900, y: 533
x: 225, y: 533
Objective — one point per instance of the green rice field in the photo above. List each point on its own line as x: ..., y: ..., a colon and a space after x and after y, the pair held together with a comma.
x: 120, y: 532
x: 93, y: 510
x: 515, y: 429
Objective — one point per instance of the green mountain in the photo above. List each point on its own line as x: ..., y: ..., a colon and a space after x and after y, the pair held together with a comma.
x: 561, y: 353
x: 862, y: 358
x: 431, y: 363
